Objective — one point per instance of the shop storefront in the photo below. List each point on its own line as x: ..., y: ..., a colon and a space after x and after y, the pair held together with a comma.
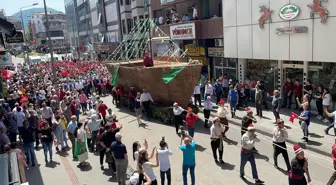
x: 104, y: 50
x: 225, y: 66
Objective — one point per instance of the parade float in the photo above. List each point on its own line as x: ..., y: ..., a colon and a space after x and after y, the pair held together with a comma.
x: 172, y: 77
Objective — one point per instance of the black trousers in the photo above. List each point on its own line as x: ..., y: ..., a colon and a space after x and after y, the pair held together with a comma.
x: 259, y: 109
x: 319, y: 106
x: 178, y: 122
x: 101, y: 156
x: 206, y: 116
x: 37, y: 141
x: 215, y: 144
x: 197, y: 98
x: 131, y: 103
x: 163, y: 174
x: 280, y: 148
x: 146, y: 105
x: 332, y: 178
x: 302, y: 181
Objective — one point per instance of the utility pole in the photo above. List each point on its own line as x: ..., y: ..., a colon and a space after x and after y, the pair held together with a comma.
x: 50, y: 43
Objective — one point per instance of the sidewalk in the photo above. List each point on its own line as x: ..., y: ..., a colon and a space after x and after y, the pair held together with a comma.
x: 318, y: 141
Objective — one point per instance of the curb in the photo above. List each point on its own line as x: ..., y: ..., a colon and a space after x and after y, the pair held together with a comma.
x: 291, y: 141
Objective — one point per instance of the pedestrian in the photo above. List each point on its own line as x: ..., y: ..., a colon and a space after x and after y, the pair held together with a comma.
x: 280, y: 136
x: 28, y: 135
x: 189, y: 159
x: 298, y: 91
x: 288, y: 93
x: 191, y: 119
x: 216, y: 137
x: 93, y: 127
x: 318, y: 100
x: 208, y: 90
x: 276, y: 104
x: 197, y: 94
x: 218, y: 90
x: 305, y: 121
x: 121, y: 159
x: 333, y: 157
x: 247, y: 154
x: 19, y: 117
x: 164, y: 152
x: 207, y: 110
x: 332, y: 125
x: 233, y: 98
x: 146, y: 100
x: 83, y: 101
x: 47, y: 113
x: 80, y: 145
x: 64, y: 124
x: 299, y: 166
x: 221, y: 114
x: 308, y: 89
x: 131, y: 98
x: 225, y: 85
x: 258, y: 101
x: 102, y: 108
x: 135, y: 148
x: 137, y: 108
x: 178, y: 120
x: 146, y: 165
x: 326, y: 103
x: 47, y: 138
x: 72, y: 133
x: 12, y: 128
x: 4, y: 140
x: 58, y: 133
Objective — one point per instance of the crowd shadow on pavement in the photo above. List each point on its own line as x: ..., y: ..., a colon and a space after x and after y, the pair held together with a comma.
x: 85, y: 168
x: 226, y: 166
x: 261, y: 156
x: 33, y: 175
x: 52, y: 164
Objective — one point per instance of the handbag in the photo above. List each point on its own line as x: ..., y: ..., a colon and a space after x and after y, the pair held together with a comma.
x: 109, y: 157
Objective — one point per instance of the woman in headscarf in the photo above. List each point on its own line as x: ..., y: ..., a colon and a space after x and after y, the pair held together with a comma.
x: 81, y: 151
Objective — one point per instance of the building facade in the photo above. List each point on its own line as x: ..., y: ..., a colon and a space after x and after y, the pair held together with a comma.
x: 58, y: 31
x: 275, y: 40
x: 195, y: 26
x: 70, y: 12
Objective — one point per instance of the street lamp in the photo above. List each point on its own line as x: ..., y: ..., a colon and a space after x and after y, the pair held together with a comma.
x: 50, y: 43
x: 24, y: 32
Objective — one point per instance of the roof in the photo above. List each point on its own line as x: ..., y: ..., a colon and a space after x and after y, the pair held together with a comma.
x: 7, y: 27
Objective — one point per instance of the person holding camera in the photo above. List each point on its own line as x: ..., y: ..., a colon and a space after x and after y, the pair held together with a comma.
x: 216, y: 136
x: 189, y: 160
x: 147, y: 166
x: 164, y: 153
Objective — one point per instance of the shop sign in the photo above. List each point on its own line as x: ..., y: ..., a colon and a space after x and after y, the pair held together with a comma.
x: 166, y: 1
x: 17, y: 38
x: 194, y: 51
x: 292, y: 30
x: 182, y: 31
x: 289, y: 12
x: 215, y: 52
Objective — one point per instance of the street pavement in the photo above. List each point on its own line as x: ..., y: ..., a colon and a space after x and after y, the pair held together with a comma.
x: 65, y: 171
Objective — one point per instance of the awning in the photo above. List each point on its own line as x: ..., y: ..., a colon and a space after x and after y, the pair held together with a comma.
x: 7, y: 27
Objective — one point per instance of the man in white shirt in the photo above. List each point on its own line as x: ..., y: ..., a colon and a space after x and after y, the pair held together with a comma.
x: 197, y: 94
x: 330, y: 115
x: 19, y: 117
x: 47, y: 113
x: 279, y: 141
x: 146, y: 99
x: 207, y: 110
x: 208, y: 90
x: 164, y: 153
x: 177, y: 110
x: 247, y: 155
x: 195, y: 14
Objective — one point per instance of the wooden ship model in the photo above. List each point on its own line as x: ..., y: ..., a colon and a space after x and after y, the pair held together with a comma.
x: 171, y: 79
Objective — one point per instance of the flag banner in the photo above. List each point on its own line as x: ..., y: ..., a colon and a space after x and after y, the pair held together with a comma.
x: 170, y: 76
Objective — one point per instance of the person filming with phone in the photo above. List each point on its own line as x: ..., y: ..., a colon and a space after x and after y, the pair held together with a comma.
x: 164, y: 153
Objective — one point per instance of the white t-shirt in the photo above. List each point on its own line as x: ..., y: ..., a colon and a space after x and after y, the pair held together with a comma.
x: 334, y: 113
x: 164, y: 159
x: 326, y: 99
x: 147, y: 167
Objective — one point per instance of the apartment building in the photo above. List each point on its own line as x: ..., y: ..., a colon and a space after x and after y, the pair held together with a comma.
x: 70, y: 11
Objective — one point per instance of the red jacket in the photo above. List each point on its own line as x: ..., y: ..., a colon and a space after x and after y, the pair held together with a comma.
x: 333, y: 154
x: 191, y: 120
x: 298, y: 90
x: 148, y: 61
x: 289, y: 86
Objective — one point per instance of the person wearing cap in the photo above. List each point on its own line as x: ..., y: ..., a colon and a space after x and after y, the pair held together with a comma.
x: 207, y: 110
x: 221, y: 114
x: 178, y: 120
x: 216, y: 136
x: 279, y: 143
x: 299, y: 166
x: 247, y: 155
x: 233, y: 97
x: 72, y: 127
x: 333, y: 157
x: 191, y: 119
x: 189, y: 160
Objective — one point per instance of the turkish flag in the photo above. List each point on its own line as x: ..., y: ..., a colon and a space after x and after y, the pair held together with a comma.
x: 292, y: 117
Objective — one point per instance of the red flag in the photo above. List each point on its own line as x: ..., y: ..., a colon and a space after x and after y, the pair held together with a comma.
x: 292, y: 117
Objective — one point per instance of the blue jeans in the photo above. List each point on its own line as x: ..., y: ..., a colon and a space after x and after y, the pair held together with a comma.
x: 191, y: 131
x: 84, y: 107
x: 47, y: 146
x: 64, y: 133
x: 30, y: 153
x: 77, y: 115
x: 192, y: 174
x: 244, y: 158
x: 233, y: 105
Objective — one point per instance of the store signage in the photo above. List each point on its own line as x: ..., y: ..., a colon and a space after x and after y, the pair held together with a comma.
x: 291, y: 30
x: 215, y: 52
x: 193, y: 51
x: 17, y: 38
x: 289, y: 12
x: 182, y: 31
x: 317, y: 8
x: 166, y: 1
x: 266, y: 15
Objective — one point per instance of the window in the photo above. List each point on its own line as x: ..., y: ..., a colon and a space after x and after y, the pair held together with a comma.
x: 121, y: 2
x: 129, y: 25
x: 146, y: 16
x: 141, y: 17
x: 123, y: 26
x: 127, y: 2
x: 135, y: 20
x: 99, y: 18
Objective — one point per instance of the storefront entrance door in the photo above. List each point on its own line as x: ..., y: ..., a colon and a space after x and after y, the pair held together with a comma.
x: 293, y: 74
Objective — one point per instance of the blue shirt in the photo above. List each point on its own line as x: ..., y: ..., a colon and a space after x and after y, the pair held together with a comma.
x: 189, y: 154
x: 137, y: 103
x: 118, y: 149
x: 306, y: 114
x: 72, y: 126
x: 233, y: 95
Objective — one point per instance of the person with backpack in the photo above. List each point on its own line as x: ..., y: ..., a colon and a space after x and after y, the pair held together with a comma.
x: 72, y: 133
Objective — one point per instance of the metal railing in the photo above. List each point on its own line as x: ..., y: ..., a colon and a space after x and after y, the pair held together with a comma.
x: 9, y: 168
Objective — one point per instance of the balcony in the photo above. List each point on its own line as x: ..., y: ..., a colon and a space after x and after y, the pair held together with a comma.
x: 55, y: 28
x: 137, y: 3
x: 202, y: 30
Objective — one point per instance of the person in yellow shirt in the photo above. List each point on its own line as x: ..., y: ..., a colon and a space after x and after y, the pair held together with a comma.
x: 64, y: 123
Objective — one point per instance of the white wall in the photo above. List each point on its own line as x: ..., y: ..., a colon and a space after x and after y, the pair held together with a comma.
x: 111, y: 12
x: 243, y: 38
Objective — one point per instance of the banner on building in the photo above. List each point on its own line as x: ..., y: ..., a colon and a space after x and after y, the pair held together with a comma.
x: 194, y: 51
x: 166, y: 1
x: 215, y: 52
x: 17, y: 38
x: 183, y: 31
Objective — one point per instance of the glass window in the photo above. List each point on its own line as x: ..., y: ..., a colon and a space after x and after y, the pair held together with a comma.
x: 129, y: 25
x: 146, y: 16
x: 127, y: 2
x: 141, y: 16
x: 323, y: 73
x: 123, y: 26
x: 135, y: 20
x: 121, y: 2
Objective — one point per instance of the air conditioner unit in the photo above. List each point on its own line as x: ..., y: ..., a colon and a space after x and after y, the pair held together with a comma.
x: 219, y: 42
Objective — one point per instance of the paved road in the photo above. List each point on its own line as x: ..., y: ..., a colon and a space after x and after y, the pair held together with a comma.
x: 66, y: 172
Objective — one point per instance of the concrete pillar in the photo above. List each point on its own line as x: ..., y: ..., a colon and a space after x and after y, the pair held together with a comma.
x: 280, y: 76
x: 241, y: 69
x: 305, y: 72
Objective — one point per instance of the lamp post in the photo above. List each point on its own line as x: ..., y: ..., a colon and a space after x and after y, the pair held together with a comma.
x: 50, y: 43
x: 24, y: 32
